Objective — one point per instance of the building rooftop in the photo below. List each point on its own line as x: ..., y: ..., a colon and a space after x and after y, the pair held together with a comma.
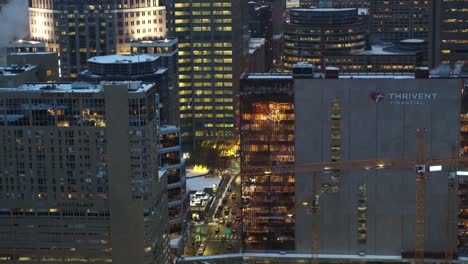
x: 386, y: 50
x: 157, y: 42
x: 168, y: 129
x: 324, y: 9
x: 26, y: 43
x: 123, y: 58
x: 255, y: 43
x: 14, y: 69
x: 269, y: 76
x: 33, y: 53
x: 290, y: 256
x: 75, y: 87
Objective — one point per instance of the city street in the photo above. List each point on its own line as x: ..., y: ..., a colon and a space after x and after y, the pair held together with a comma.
x: 221, y: 231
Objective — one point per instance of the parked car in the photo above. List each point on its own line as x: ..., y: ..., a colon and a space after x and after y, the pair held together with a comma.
x: 217, y: 229
x: 229, y: 246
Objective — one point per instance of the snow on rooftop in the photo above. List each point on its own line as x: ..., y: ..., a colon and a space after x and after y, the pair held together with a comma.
x: 377, y: 76
x: 202, y: 182
x: 363, y: 11
x: 123, y: 58
x: 384, y: 50
x: 412, y: 41
x: 33, y: 53
x: 14, y: 69
x: 76, y: 87
x: 268, y: 76
x: 168, y: 128
x: 324, y: 9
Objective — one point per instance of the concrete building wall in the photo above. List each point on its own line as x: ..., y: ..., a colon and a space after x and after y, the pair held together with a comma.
x: 127, y: 236
x: 372, y: 130
x: 84, y: 176
x: 47, y: 63
x: 10, y: 77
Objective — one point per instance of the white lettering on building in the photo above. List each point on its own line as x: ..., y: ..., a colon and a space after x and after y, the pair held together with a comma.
x: 411, y: 98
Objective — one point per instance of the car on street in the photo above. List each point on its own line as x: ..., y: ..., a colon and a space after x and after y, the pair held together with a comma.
x: 233, y: 196
x: 233, y: 212
x: 217, y: 229
x: 223, y: 237
x: 225, y: 200
x: 234, y: 230
x: 203, y: 245
x: 216, y: 215
x: 236, y: 203
x: 221, y: 221
x: 238, y: 218
x: 229, y: 188
x: 228, y: 223
x: 229, y: 246
x: 220, y: 207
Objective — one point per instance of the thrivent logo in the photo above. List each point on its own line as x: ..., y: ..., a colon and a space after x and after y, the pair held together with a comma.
x: 377, y: 96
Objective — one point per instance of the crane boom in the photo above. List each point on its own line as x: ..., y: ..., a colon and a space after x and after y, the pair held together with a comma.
x: 420, y: 198
x: 349, y: 165
x: 420, y: 164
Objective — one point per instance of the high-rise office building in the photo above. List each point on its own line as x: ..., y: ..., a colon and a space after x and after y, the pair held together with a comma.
x: 213, y: 41
x: 339, y: 37
x: 267, y: 139
x: 312, y: 34
x: 167, y: 51
x: 361, y: 210
x: 449, y: 33
x: 79, y: 174
x: 147, y: 68
x: 395, y: 20
x: 133, y: 67
x: 260, y: 26
x: 373, y: 212
x: 79, y: 30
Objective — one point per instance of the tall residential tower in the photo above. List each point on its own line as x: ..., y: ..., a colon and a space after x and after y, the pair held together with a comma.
x: 79, y: 178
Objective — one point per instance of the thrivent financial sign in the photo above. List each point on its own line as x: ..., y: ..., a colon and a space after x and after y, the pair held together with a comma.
x: 404, y: 98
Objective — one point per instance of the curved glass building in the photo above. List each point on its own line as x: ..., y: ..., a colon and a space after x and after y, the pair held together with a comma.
x: 313, y: 33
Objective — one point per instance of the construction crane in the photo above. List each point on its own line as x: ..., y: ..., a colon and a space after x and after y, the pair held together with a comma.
x: 420, y: 164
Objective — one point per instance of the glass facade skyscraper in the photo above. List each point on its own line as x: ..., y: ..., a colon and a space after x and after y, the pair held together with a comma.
x: 267, y: 139
x: 213, y: 41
